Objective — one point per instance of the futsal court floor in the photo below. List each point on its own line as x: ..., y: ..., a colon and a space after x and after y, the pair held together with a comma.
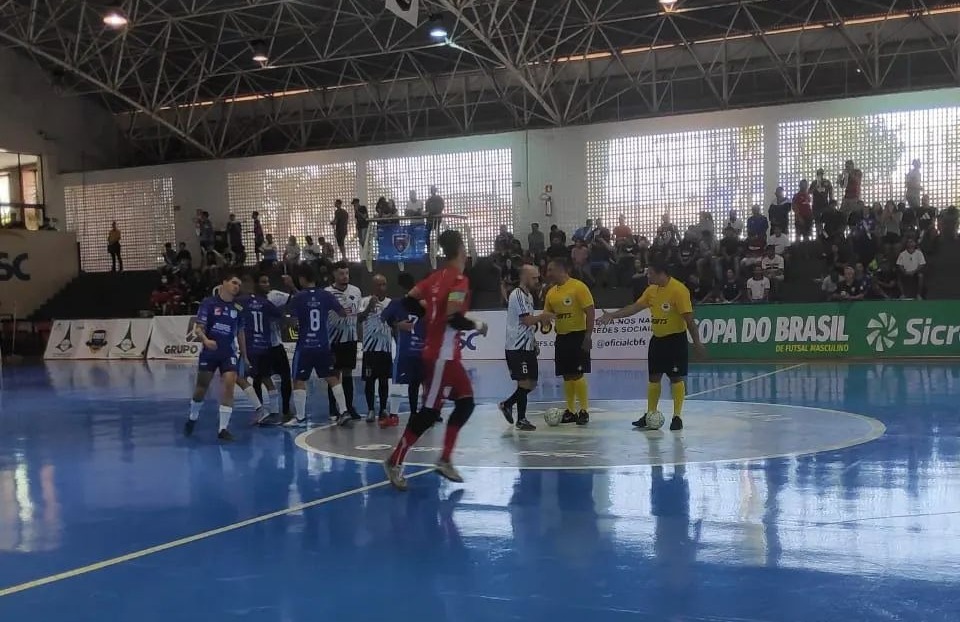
x: 808, y: 492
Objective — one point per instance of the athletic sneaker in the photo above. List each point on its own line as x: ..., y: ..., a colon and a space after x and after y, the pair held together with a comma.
x: 371, y: 417
x: 394, y: 421
x: 395, y: 475
x: 259, y: 415
x: 295, y: 422
x: 345, y: 420
x: 568, y: 417
x: 506, y: 411
x: 583, y: 418
x: 225, y: 436
x: 525, y: 426
x: 355, y: 416
x: 270, y: 420
x: 446, y: 470
x: 188, y: 427
x: 676, y: 424
x: 641, y: 422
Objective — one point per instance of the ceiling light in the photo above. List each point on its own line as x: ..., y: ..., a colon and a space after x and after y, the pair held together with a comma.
x: 260, y: 52
x: 114, y: 18
x: 668, y: 5
x: 437, y: 29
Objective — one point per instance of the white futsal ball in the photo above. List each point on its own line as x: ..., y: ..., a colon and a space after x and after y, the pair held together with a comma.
x: 655, y: 420
x: 553, y: 416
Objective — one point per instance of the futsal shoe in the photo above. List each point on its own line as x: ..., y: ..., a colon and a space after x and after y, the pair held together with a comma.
x: 260, y: 415
x: 506, y: 411
x: 568, y: 417
x: 394, y: 421
x: 295, y: 422
x: 676, y: 424
x: 395, y: 475
x: 447, y: 471
x: 270, y: 420
x: 345, y: 420
x: 355, y: 416
x: 641, y: 422
x: 583, y: 418
x: 188, y: 427
x: 225, y: 436
x: 371, y: 417
x: 525, y: 426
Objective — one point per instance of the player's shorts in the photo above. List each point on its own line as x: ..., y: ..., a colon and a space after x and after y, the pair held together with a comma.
x: 408, y: 370
x: 668, y: 355
x: 213, y: 361
x: 444, y: 380
x: 279, y: 363
x: 261, y: 364
x: 569, y: 357
x: 345, y: 355
x: 376, y: 365
x: 523, y: 365
x: 307, y: 362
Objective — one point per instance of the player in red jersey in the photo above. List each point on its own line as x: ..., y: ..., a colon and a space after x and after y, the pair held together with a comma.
x: 445, y: 296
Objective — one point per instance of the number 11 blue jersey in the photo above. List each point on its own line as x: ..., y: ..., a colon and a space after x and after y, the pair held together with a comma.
x: 312, y: 308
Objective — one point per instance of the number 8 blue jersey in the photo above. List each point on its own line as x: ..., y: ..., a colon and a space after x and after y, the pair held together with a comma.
x: 312, y: 308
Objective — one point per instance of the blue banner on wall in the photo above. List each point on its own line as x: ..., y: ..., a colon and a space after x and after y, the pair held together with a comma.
x: 402, y: 242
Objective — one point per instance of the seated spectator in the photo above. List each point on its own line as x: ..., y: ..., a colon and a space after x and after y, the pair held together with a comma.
x: 758, y: 225
x: 834, y: 224
x: 291, y: 255
x: 584, y: 233
x: 828, y: 284
x: 688, y: 261
x: 184, y: 258
x: 910, y: 265
x: 269, y: 251
x: 311, y: 251
x: 169, y: 258
x: 734, y: 222
x: 729, y: 253
x: 580, y: 254
x: 326, y: 249
x: 557, y: 232
x: 779, y: 210
x: 884, y: 278
x: 836, y: 256
x: 706, y: 224
x: 758, y: 287
x: 803, y: 211
x: 926, y: 215
x: 753, y: 253
x: 639, y: 281
x: 888, y: 224
x: 622, y: 231
x: 667, y: 234
x: 779, y: 240
x: 600, y: 230
x: 701, y: 291
x: 861, y: 274
x: 601, y: 256
x: 772, y: 265
x: 536, y: 243
x: 627, y: 252
x: 849, y: 288
x: 557, y: 249
x: 730, y: 291
x: 504, y: 240
x: 707, y: 251
x: 949, y: 222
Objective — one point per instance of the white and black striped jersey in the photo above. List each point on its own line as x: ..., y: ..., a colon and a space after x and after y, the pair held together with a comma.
x: 377, y: 335
x: 344, y: 329
x: 519, y: 336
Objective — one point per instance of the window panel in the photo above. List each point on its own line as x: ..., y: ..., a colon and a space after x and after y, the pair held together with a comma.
x: 294, y: 201
x: 882, y: 146
x: 144, y: 213
x: 683, y: 174
x: 475, y: 184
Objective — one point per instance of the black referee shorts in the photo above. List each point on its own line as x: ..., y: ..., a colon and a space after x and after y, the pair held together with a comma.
x: 668, y: 355
x: 569, y: 357
x: 345, y: 355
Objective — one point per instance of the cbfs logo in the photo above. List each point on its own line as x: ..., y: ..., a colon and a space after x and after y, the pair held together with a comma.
x: 13, y: 268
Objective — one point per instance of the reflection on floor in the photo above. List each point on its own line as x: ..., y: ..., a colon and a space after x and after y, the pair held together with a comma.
x: 93, y: 468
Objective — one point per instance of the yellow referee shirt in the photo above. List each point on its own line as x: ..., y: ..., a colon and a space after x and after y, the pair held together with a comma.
x: 568, y: 302
x: 667, y: 306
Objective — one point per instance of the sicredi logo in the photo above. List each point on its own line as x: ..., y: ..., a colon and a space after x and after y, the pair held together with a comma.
x: 13, y: 268
x: 882, y: 332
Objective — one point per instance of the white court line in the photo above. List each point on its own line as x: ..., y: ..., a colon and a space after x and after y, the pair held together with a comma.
x: 69, y: 574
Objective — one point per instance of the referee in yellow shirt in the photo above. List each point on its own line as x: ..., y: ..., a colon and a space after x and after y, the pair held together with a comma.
x: 671, y: 313
x: 571, y: 302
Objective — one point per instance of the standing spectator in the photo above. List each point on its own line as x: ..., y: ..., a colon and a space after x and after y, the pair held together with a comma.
x: 557, y: 232
x: 888, y: 225
x: 184, y: 258
x: 772, y: 265
x: 601, y: 256
x: 822, y: 193
x: 169, y: 258
x: 362, y: 219
x: 926, y: 216
x: 235, y: 240
x: 205, y: 232
x: 849, y: 288
x: 627, y: 253
x: 911, y: 264
x: 557, y: 249
x: 758, y: 287
x: 734, y: 222
x: 707, y: 259
x: 113, y: 247
x: 504, y: 240
x: 258, y: 237
x: 580, y: 254
x: 667, y: 234
x: 729, y: 253
x: 779, y: 210
x: 779, y: 240
x: 414, y: 207
x: 339, y: 224
x: 914, y: 185
x: 535, y: 242
x: 803, y: 211
x: 600, y: 230
x: 434, y: 208
x: 622, y: 231
x: 851, y: 181
x: 834, y: 223
x: 757, y: 225
x: 269, y: 250
x: 731, y: 291
x: 584, y: 233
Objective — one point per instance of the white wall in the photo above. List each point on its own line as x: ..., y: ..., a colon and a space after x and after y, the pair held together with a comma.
x: 543, y: 157
x: 70, y: 132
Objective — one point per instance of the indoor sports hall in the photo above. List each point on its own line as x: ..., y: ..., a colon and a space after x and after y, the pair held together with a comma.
x: 789, y: 172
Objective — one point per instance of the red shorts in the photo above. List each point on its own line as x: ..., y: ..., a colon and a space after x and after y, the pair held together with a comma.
x: 444, y: 380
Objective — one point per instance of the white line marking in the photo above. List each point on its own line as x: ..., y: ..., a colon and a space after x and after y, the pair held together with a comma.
x: 69, y: 574
x: 745, y: 381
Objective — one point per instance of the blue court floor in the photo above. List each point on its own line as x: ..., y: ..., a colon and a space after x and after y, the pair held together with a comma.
x: 796, y: 493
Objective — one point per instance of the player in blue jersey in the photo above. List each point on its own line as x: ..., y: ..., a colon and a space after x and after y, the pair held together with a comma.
x: 377, y: 339
x: 311, y: 308
x: 261, y: 320
x: 410, y: 333
x: 218, y: 325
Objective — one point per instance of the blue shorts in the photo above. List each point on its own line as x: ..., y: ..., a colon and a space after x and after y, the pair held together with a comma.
x: 306, y: 362
x: 408, y: 370
x: 213, y: 361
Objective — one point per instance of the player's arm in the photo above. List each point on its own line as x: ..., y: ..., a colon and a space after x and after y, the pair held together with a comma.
x: 200, y: 328
x: 684, y: 306
x: 456, y: 316
x: 631, y: 309
x: 242, y: 341
x: 334, y: 304
x: 527, y: 314
x: 590, y: 316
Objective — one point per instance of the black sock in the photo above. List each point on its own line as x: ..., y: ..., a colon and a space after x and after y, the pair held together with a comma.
x: 384, y: 387
x: 522, y: 403
x: 413, y: 396
x: 348, y: 390
x: 368, y: 392
x: 513, y: 399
